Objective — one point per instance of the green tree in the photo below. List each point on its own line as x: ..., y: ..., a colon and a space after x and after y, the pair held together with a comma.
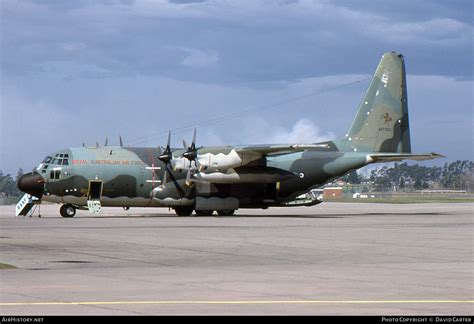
x: 8, y: 185
x: 452, y: 173
x: 352, y: 177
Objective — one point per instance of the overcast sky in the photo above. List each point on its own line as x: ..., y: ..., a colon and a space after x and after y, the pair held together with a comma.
x: 78, y: 71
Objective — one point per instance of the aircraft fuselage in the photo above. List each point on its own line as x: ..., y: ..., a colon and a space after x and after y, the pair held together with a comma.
x: 130, y: 175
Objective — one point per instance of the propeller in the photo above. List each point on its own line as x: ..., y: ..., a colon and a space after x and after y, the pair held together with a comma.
x: 190, y: 154
x: 166, y: 157
x: 191, y: 151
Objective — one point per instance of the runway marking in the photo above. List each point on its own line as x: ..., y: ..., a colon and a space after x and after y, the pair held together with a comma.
x: 235, y: 302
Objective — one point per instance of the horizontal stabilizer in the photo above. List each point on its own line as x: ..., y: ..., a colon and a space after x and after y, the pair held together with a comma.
x: 394, y: 157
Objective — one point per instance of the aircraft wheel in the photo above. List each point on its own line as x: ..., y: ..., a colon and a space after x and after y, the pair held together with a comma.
x: 226, y: 212
x: 204, y: 212
x: 67, y: 210
x: 184, y: 211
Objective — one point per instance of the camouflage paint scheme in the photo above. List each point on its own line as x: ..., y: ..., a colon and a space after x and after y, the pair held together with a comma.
x: 268, y: 175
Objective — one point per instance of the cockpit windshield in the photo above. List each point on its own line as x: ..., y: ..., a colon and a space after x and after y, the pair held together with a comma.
x: 61, y: 159
x: 58, y: 159
x: 44, y: 164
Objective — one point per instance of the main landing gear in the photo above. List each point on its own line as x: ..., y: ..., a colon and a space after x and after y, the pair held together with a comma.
x: 204, y: 212
x: 188, y: 210
x: 67, y: 210
x: 226, y: 212
x: 184, y: 210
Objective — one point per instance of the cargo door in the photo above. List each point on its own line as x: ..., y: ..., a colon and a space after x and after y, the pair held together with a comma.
x: 93, y: 196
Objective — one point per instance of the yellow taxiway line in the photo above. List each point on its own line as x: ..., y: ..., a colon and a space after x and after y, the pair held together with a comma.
x: 233, y: 302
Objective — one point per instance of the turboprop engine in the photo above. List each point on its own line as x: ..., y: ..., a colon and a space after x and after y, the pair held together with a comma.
x: 216, y: 162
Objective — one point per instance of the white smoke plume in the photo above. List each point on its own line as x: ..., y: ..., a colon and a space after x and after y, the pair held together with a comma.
x: 260, y: 131
x: 303, y: 131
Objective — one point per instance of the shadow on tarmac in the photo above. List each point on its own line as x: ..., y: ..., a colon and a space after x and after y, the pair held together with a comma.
x: 323, y: 216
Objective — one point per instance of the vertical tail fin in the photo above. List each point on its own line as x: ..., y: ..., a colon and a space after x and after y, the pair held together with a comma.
x: 381, y: 123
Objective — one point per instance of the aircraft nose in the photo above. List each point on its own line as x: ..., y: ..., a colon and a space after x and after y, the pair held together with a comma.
x: 31, y: 183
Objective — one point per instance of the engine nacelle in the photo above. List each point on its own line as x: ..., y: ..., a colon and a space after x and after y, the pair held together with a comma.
x: 215, y: 162
x: 245, y: 175
x: 173, y: 194
x: 181, y: 163
x: 221, y: 161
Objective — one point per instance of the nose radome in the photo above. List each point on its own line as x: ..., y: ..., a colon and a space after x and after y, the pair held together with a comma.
x: 31, y: 183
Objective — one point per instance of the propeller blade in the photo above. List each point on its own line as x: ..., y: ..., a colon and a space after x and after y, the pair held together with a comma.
x: 166, y: 156
x: 165, y: 178
x: 175, y: 182
x: 193, y: 144
x: 106, y: 141
x: 120, y: 139
x: 185, y: 145
x: 188, y: 177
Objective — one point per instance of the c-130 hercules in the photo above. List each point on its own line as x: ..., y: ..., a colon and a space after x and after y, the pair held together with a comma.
x: 226, y: 178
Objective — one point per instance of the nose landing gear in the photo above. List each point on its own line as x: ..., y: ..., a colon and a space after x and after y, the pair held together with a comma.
x: 67, y: 210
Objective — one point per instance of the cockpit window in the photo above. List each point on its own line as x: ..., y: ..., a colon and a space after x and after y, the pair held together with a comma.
x: 55, y: 175
x: 59, y: 159
x: 47, y: 159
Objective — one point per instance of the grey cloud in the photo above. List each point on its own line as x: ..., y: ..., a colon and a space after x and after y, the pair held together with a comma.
x: 252, y: 40
x: 408, y: 10
x: 199, y: 58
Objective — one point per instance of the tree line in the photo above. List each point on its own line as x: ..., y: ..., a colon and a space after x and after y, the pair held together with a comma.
x: 457, y: 175
x: 8, y: 186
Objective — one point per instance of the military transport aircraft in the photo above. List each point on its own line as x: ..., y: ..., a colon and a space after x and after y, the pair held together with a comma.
x: 225, y: 178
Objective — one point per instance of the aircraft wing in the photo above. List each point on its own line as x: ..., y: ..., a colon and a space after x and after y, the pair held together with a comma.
x: 394, y: 157
x: 231, y: 157
x: 280, y: 149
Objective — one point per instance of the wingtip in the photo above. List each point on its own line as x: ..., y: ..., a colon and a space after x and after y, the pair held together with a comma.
x: 437, y: 156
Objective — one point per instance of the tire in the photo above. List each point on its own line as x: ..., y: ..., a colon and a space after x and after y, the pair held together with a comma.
x: 204, y: 212
x: 67, y: 211
x: 184, y: 211
x: 226, y: 212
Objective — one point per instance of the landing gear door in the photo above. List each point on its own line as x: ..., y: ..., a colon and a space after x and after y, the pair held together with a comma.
x: 93, y: 196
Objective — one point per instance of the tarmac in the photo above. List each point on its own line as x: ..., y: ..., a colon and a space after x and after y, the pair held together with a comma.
x: 330, y: 259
